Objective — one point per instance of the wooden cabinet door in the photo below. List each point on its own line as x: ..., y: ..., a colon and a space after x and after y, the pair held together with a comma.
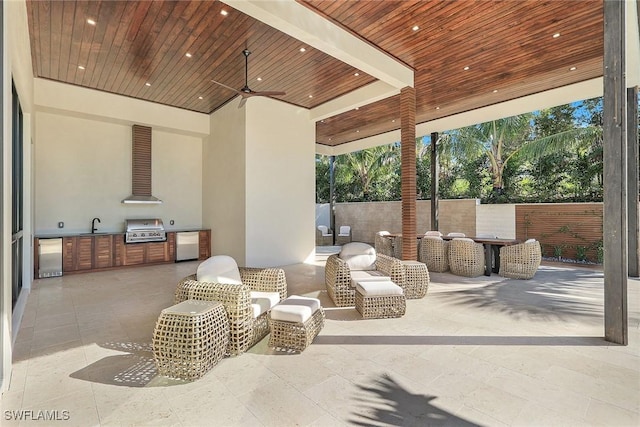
x: 156, y: 252
x: 133, y: 254
x: 204, y: 244
x: 102, y: 251
x: 68, y: 256
x: 84, y: 253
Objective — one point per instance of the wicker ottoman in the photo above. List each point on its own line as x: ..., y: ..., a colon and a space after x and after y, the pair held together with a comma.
x: 294, y: 323
x: 190, y: 338
x: 380, y: 300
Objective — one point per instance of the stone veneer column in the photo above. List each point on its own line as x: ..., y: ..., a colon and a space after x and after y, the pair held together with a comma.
x: 408, y: 170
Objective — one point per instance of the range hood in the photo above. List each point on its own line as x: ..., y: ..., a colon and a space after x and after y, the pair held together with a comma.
x: 141, y: 167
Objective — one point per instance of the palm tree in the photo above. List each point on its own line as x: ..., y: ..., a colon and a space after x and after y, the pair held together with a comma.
x: 367, y: 167
x: 501, y: 140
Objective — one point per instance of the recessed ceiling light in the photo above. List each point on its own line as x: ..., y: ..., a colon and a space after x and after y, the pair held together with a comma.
x: 466, y: 68
x: 495, y: 91
x: 437, y: 108
x: 357, y: 108
x: 303, y: 49
x: 393, y: 121
x: 80, y: 67
x: 573, y: 68
x: 224, y: 12
x: 358, y: 131
x: 415, y: 28
x: 310, y: 96
x: 188, y: 55
x: 200, y: 97
x: 259, y: 79
x: 356, y: 74
x: 556, y: 35
x: 147, y: 84
x: 321, y: 121
x: 91, y: 21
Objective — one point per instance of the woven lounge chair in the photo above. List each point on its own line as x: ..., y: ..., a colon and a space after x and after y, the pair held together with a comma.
x: 433, y: 251
x: 247, y: 301
x: 341, y: 274
x: 466, y: 257
x: 520, y: 261
x: 384, y: 245
x: 344, y: 235
x: 324, y: 236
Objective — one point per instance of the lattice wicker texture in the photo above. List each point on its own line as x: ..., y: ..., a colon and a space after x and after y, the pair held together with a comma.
x: 384, y: 245
x: 380, y: 307
x: 341, y: 240
x: 245, y: 330
x: 466, y: 258
x: 433, y: 251
x: 186, y: 345
x: 520, y: 261
x: 416, y: 282
x: 322, y: 240
x: 293, y: 336
x: 337, y: 279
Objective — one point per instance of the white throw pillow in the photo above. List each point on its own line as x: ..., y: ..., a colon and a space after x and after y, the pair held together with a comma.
x: 219, y: 269
x: 530, y: 240
x: 358, y: 256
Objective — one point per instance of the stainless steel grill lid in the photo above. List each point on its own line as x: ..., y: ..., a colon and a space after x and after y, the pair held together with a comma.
x: 144, y: 224
x: 144, y: 230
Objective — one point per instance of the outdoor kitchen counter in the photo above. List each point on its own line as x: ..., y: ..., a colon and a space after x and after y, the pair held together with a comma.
x: 87, y: 252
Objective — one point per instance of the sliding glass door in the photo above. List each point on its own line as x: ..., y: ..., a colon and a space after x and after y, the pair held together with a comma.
x: 17, y: 197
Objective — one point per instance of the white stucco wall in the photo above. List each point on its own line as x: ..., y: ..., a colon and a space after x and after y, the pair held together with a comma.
x: 497, y: 220
x: 280, y: 214
x: 223, y: 182
x: 83, y: 170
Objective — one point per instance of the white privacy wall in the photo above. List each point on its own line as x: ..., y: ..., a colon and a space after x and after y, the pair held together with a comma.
x: 498, y: 220
x: 83, y: 170
x: 280, y: 213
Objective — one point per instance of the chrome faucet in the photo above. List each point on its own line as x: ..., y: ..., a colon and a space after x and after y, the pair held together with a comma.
x: 93, y: 225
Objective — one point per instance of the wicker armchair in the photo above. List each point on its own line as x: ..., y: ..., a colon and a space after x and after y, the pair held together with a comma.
x: 324, y: 236
x: 344, y: 235
x: 433, y: 251
x: 245, y: 329
x: 466, y: 257
x: 384, y: 245
x: 340, y: 279
x: 520, y: 261
x: 337, y: 275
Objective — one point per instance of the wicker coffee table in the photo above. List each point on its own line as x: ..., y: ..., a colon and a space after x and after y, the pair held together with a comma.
x: 190, y: 338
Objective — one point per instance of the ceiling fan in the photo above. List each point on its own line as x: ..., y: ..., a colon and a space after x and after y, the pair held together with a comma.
x: 246, y: 92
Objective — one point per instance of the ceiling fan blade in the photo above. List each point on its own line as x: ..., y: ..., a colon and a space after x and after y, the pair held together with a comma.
x: 228, y: 87
x: 243, y: 101
x: 269, y: 93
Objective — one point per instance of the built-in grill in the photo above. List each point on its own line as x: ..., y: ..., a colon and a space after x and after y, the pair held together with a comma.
x: 144, y: 230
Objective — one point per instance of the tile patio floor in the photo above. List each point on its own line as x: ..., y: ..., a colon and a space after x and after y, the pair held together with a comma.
x: 475, y: 352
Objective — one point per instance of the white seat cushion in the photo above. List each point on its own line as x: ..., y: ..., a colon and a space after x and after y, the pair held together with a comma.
x: 433, y: 233
x: 369, y: 276
x: 324, y: 230
x: 295, y: 308
x: 219, y: 269
x: 261, y: 302
x: 345, y: 230
x: 378, y: 288
x: 358, y: 256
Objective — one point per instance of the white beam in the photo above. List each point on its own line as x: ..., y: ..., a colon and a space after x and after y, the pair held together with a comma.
x: 632, y: 43
x: 303, y: 24
x: 559, y: 96
x: 365, y: 95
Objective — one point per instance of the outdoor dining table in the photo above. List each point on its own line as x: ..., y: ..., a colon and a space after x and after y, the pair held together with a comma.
x: 491, y: 249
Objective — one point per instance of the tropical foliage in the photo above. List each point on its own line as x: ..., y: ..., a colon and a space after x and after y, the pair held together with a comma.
x: 552, y: 155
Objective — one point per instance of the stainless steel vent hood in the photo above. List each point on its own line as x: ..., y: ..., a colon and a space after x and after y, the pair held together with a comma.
x: 141, y: 167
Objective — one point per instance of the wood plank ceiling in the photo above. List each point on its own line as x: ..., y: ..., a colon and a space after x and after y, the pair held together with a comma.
x: 139, y: 49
